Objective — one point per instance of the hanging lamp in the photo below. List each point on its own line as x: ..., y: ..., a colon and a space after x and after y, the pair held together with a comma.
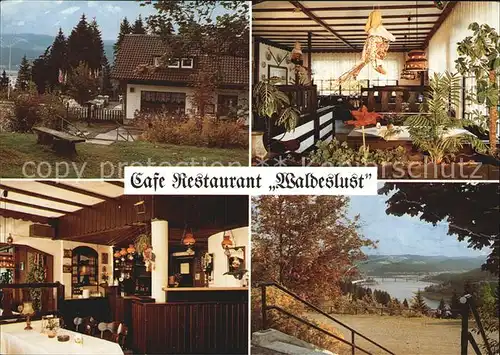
x: 405, y: 74
x: 417, y: 61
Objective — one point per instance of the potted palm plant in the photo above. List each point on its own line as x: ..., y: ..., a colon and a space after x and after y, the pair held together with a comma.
x: 433, y: 130
x: 274, y: 106
x: 479, y: 56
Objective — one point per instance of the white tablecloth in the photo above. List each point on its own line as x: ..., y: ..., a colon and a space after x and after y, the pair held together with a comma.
x: 403, y: 135
x: 15, y: 340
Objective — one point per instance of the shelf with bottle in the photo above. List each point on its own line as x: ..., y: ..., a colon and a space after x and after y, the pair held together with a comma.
x: 7, y: 261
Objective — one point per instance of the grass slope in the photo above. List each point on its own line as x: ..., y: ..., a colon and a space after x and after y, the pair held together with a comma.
x: 17, y: 149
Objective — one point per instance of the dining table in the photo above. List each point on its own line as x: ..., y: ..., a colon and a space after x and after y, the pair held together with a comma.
x: 15, y: 340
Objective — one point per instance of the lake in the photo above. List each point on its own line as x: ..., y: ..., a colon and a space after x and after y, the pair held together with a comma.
x: 400, y: 288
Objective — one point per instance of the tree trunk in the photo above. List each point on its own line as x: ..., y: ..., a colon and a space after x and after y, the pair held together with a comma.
x: 493, y: 120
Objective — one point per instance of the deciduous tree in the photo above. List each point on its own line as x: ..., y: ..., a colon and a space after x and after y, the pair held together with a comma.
x: 81, y: 85
x: 306, y: 243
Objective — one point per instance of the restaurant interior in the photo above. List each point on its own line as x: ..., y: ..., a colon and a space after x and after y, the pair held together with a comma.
x: 330, y: 59
x: 85, y: 269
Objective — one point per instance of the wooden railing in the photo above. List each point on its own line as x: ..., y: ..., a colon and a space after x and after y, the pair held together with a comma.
x: 95, y: 114
x: 190, y: 328
x: 310, y: 129
x: 52, y: 297
x: 304, y: 98
x: 391, y: 98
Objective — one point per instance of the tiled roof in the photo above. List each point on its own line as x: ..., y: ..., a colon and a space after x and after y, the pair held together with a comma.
x: 141, y: 49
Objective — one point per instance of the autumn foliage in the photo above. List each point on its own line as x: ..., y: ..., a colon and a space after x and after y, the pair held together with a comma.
x: 305, y: 243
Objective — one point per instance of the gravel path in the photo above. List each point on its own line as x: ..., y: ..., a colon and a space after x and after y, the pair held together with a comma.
x: 407, y: 336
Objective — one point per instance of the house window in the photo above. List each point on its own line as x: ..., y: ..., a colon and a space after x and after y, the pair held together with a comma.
x: 174, y: 63
x: 187, y: 63
x: 227, y: 105
x: 171, y: 102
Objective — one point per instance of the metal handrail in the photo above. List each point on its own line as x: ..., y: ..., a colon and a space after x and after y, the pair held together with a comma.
x: 354, y: 332
x: 302, y: 320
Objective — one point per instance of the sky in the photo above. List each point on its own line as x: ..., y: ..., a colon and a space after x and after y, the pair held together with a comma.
x: 45, y: 17
x: 405, y: 234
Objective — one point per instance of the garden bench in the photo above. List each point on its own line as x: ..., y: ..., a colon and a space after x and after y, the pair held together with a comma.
x: 61, y: 142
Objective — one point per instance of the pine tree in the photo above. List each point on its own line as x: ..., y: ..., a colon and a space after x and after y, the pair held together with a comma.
x: 405, y: 303
x: 125, y: 29
x: 81, y: 44
x: 442, y: 305
x: 138, y: 27
x: 58, y: 60
x: 98, y: 57
x: 4, y: 81
x: 23, y: 75
x: 40, y: 72
x: 441, y: 310
x: 418, y: 304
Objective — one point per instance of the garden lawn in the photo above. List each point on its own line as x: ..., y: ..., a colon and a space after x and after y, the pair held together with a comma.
x: 21, y: 157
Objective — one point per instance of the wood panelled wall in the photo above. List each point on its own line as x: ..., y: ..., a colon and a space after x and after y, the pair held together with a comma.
x: 105, y: 216
x: 199, y: 212
x: 190, y: 328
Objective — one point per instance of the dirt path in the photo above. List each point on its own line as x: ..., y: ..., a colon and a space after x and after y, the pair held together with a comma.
x: 406, y: 336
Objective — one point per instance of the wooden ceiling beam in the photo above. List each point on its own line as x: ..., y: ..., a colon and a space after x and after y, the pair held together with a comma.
x: 45, y: 197
x: 326, y: 18
x: 450, y: 5
x: 350, y: 8
x: 319, y: 21
x: 387, y: 25
x: 24, y: 216
x: 272, y: 43
x: 76, y: 190
x: 347, y: 50
x: 30, y: 205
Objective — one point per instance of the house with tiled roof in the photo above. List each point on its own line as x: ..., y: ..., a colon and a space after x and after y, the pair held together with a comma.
x: 169, y: 87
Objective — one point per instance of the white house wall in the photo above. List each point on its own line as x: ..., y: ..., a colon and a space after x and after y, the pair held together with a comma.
x: 241, y: 238
x: 134, y: 98
x: 20, y: 232
x: 263, y: 65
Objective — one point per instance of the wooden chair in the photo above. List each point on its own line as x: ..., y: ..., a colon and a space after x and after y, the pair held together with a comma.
x: 109, y: 331
x: 89, y: 326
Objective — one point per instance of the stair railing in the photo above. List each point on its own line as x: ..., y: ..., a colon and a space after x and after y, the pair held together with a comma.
x: 354, y: 333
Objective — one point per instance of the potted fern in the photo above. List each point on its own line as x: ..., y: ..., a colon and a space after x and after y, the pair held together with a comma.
x: 432, y: 130
x: 479, y: 56
x: 274, y: 106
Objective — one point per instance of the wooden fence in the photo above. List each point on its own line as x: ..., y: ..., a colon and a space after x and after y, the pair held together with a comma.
x: 95, y: 114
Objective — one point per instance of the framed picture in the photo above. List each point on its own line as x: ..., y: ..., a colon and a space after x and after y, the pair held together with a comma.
x: 104, y: 258
x: 274, y: 71
x: 68, y: 253
x: 67, y: 269
x: 236, y: 259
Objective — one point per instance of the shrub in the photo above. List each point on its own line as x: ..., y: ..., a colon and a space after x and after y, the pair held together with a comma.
x: 290, y: 326
x: 194, y: 131
x: 31, y: 109
x: 337, y: 153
